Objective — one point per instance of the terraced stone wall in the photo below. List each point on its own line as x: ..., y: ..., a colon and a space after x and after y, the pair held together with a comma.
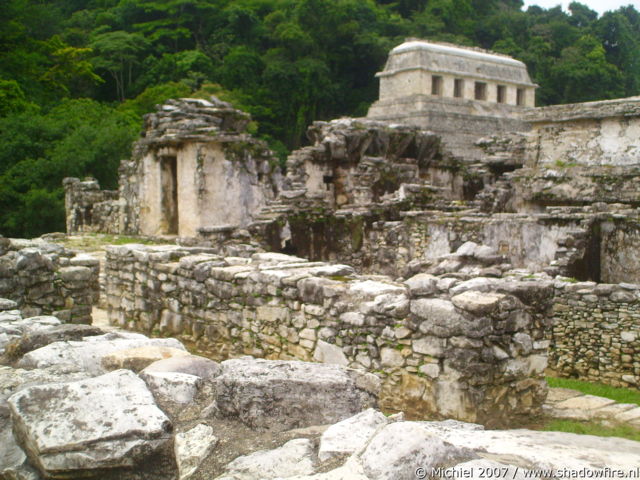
x: 596, y: 333
x: 46, y: 279
x: 470, y: 350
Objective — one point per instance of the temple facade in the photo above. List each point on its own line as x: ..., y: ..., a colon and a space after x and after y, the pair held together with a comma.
x: 463, y: 93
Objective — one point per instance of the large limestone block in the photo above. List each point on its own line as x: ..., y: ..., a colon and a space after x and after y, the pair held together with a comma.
x: 171, y: 388
x: 282, y: 394
x: 38, y: 338
x: 350, y: 435
x: 201, y: 367
x: 87, y: 354
x: 104, y: 422
x: 400, y: 448
x: 440, y: 318
x: 552, y: 450
x: 13, y: 380
x: 138, y: 358
x: 292, y: 458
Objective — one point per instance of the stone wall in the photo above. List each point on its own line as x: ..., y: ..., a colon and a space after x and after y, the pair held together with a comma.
x: 596, y: 333
x: 593, y: 133
x: 46, y: 279
x: 444, y: 348
x: 89, y: 209
x: 579, y: 154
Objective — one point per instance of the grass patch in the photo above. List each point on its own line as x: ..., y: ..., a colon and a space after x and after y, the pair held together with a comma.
x: 592, y: 428
x: 92, y: 241
x: 620, y: 395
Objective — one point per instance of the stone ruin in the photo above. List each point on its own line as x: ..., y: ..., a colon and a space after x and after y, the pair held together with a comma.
x: 479, y: 251
x: 79, y: 402
x: 43, y: 278
x: 434, y: 258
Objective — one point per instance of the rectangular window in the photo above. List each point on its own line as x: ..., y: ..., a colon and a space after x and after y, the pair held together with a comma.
x: 481, y: 91
x: 502, y: 94
x: 458, y: 88
x: 436, y: 85
x: 520, y: 97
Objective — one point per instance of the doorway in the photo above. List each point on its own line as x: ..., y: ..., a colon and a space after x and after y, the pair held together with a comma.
x: 169, y: 199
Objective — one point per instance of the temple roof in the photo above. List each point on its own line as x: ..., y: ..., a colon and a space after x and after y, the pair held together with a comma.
x: 454, y: 60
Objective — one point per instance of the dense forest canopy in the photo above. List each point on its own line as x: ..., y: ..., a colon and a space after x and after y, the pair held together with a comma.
x: 76, y: 76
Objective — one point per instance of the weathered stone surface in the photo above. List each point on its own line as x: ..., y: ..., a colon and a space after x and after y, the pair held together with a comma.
x: 75, y: 274
x: 192, y: 447
x: 6, y: 304
x: 476, y: 302
x: 13, y: 380
x: 33, y: 340
x: 283, y: 395
x: 138, y: 358
x: 399, y: 448
x: 554, y: 450
x: 171, y: 387
x: 351, y: 470
x: 201, y: 367
x: 480, y: 468
x: 328, y: 353
x: 103, y: 422
x: 292, y: 458
x: 13, y: 459
x: 87, y: 354
x: 422, y: 284
x: 350, y: 435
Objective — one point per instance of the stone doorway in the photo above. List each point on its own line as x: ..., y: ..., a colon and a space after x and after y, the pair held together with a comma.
x: 169, y: 199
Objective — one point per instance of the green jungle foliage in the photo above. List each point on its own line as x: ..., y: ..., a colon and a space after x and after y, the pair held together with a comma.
x: 76, y: 76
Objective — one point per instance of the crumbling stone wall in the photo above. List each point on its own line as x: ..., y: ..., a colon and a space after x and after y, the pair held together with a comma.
x: 194, y: 159
x: 579, y: 154
x: 444, y: 348
x: 46, y: 279
x: 596, y: 332
x: 89, y: 209
x: 592, y: 133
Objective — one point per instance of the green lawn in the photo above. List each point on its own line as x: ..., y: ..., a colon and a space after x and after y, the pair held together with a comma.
x: 620, y: 395
x: 591, y: 428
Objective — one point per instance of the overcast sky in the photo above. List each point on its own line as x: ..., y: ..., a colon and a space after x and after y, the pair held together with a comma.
x: 599, y: 6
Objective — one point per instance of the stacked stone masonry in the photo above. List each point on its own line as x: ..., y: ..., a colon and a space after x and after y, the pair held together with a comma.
x: 552, y: 190
x: 596, y: 332
x: 46, y: 279
x: 93, y: 210
x: 464, y: 351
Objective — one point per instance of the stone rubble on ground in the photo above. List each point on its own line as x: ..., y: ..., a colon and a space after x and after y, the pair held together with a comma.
x: 68, y: 421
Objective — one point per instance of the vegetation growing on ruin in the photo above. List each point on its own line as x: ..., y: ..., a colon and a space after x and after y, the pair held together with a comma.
x: 76, y: 77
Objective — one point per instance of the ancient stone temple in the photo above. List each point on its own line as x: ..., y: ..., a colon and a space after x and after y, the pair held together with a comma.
x: 455, y: 203
x: 194, y: 167
x: 461, y: 92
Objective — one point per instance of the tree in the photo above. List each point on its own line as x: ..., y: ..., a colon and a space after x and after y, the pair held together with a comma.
x: 622, y: 48
x: 584, y: 74
x: 118, y: 53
